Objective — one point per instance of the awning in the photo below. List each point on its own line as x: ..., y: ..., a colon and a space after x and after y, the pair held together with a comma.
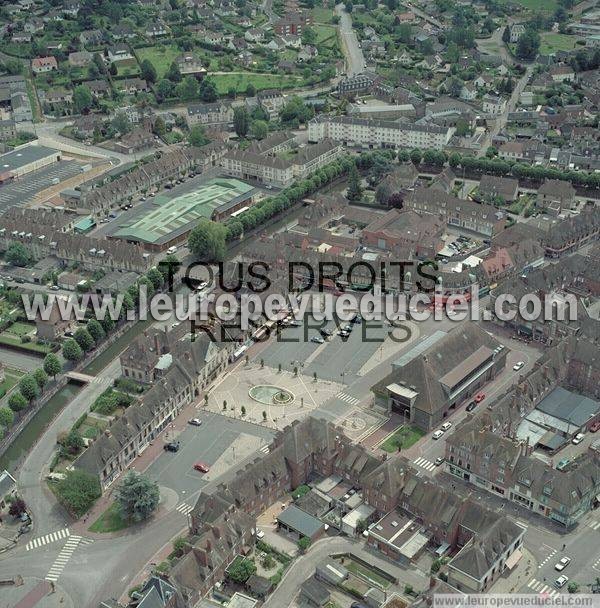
x: 513, y: 559
x: 441, y: 550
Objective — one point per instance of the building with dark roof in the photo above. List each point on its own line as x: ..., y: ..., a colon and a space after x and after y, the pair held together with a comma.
x: 429, y: 386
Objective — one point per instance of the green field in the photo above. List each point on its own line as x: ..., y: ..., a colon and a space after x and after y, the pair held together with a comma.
x: 403, y: 438
x: 322, y: 15
x: 551, y: 42
x: 11, y: 377
x: 326, y: 34
x: 110, y: 521
x: 161, y: 57
x: 546, y: 6
x: 240, y: 81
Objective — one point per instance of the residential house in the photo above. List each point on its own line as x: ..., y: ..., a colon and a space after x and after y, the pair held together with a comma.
x: 562, y: 73
x: 80, y: 59
x: 8, y: 130
x: 494, y: 105
x: 118, y: 52
x: 254, y: 34
x: 492, y: 187
x: 156, y: 29
x: 91, y: 38
x: 516, y: 31
x: 293, y: 23
x: 555, y: 196
x: 40, y: 65
x: 217, y: 113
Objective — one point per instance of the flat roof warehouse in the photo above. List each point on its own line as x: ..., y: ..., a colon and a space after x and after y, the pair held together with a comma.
x: 165, y: 221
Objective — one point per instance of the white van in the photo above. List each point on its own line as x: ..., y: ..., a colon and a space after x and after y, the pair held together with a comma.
x: 437, y: 434
x: 446, y: 426
x: 171, y: 250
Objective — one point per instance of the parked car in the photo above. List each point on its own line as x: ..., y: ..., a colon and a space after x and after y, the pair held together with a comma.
x: 577, y: 439
x: 562, y: 564
x: 195, y: 421
x: 202, y: 467
x: 561, y: 581
x: 439, y: 460
x: 317, y: 340
x: 437, y: 434
x: 471, y: 406
x: 446, y: 426
x: 173, y: 446
x: 594, y: 427
x: 326, y: 333
x: 518, y: 365
x: 260, y: 534
x: 479, y: 397
x: 562, y: 464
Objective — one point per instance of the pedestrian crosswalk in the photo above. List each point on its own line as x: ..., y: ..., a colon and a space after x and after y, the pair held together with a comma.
x: 425, y: 464
x: 542, y: 588
x: 594, y: 525
x: 596, y: 565
x: 47, y: 538
x: 548, y: 557
x: 264, y: 449
x: 63, y: 557
x: 348, y: 398
x: 184, y: 508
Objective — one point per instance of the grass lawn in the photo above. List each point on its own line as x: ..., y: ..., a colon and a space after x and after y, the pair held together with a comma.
x: 109, y: 521
x: 224, y: 82
x: 11, y: 377
x: 161, y: 57
x: 326, y: 34
x: 322, y: 15
x: 11, y: 340
x: 20, y: 329
x: 403, y: 438
x: 365, y: 572
x: 551, y: 42
x: 546, y: 6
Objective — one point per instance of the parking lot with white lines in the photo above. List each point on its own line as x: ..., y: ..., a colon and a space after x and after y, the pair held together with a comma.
x: 25, y: 188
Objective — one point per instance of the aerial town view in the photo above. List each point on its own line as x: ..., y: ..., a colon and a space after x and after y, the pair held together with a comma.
x: 299, y: 303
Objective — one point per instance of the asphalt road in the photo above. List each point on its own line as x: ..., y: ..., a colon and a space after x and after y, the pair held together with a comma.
x: 355, y: 60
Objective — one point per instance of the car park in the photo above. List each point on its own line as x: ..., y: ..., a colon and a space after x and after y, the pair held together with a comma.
x: 172, y: 446
x: 437, y: 434
x: 471, y: 406
x: 195, y: 421
x: 562, y: 564
x: 517, y: 366
x: 561, y: 581
x: 202, y: 467
x: 577, y: 439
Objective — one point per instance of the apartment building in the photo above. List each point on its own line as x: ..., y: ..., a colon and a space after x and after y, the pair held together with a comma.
x: 210, y: 114
x: 372, y: 133
x: 482, y: 219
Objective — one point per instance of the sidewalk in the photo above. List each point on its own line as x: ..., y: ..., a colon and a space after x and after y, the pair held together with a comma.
x: 520, y: 576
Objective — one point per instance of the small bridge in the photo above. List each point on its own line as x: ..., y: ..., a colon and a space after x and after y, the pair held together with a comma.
x: 79, y: 377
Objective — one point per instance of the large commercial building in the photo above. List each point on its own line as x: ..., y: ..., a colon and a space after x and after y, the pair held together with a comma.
x: 24, y: 160
x: 165, y: 221
x: 370, y: 133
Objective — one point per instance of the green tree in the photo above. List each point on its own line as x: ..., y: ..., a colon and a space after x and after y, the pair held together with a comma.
x: 7, y: 416
x: 187, y: 89
x: 207, y: 241
x: 416, y: 156
x: 259, y: 129
x: 155, y: 277
x: 241, y: 570
x: 361, y: 526
x: 71, y: 350
x: 73, y: 442
x: 28, y: 387
x: 78, y: 491
x: 573, y: 587
x: 96, y: 330
x: 16, y: 402
x: 82, y: 98
x: 528, y: 45
x: 164, y: 89
x: 250, y: 90
x: 506, y: 35
x: 159, y: 127
x: 197, y: 136
x: 243, y: 410
x: 354, y: 192
x: 41, y: 377
x: 137, y: 496
x: 304, y: 544
x: 121, y: 124
x: 241, y: 121
x: 84, y: 339
x: 309, y: 36
x: 13, y: 66
x: 264, y: 415
x: 18, y: 255
x: 148, y: 71
x: 295, y: 111
x: 208, y: 91
x: 173, y: 73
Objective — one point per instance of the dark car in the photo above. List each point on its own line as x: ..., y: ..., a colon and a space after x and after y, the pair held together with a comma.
x: 471, y: 406
x: 173, y: 446
x: 326, y: 333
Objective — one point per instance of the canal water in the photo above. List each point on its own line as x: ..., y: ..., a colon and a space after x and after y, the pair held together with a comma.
x: 32, y: 431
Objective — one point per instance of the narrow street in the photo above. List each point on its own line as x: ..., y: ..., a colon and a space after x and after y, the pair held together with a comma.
x: 355, y: 60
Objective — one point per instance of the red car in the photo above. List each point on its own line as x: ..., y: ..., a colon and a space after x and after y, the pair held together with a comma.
x: 479, y: 397
x: 203, y: 468
x: 594, y: 427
